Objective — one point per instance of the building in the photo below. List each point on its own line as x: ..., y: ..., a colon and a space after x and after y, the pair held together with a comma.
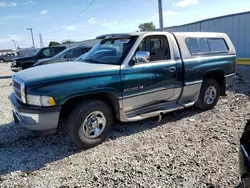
x: 6, y: 51
x: 90, y: 42
x: 237, y: 26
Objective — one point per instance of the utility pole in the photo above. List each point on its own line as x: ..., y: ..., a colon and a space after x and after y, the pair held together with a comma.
x: 41, y: 40
x: 160, y: 15
x: 32, y: 36
x: 69, y: 39
x: 14, y: 43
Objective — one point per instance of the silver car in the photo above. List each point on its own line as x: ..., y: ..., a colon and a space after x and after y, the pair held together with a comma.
x: 8, y: 57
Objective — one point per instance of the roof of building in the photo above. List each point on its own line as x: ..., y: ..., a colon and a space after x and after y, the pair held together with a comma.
x: 219, y: 17
x: 6, y: 50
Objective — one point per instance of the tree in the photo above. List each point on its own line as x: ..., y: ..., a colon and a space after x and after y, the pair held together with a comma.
x: 53, y: 43
x: 67, y: 42
x: 147, y: 26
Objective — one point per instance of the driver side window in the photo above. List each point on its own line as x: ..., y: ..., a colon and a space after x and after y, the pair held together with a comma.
x: 157, y: 46
x: 48, y: 53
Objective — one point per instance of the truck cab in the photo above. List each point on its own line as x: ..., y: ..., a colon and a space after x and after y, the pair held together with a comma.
x: 128, y: 77
x: 27, y: 62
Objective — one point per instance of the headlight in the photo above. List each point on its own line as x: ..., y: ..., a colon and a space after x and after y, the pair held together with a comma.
x: 37, y: 100
x: 14, y: 63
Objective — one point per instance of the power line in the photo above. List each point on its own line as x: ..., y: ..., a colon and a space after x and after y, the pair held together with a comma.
x: 81, y: 13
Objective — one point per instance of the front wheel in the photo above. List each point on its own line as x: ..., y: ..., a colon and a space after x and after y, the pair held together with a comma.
x: 89, y: 123
x: 209, y: 94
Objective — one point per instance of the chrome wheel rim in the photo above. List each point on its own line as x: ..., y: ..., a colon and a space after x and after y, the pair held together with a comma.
x: 94, y: 124
x: 210, y: 95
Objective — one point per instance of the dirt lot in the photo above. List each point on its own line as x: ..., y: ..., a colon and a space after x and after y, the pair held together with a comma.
x: 188, y: 148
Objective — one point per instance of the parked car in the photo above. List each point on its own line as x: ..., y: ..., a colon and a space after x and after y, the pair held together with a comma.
x: 65, y: 55
x: 27, y: 62
x: 244, y: 157
x: 26, y: 52
x: 129, y: 77
x: 81, y: 57
x: 1, y: 58
x: 7, y: 57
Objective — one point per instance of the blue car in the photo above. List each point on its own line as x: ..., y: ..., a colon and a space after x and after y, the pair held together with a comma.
x: 244, y: 157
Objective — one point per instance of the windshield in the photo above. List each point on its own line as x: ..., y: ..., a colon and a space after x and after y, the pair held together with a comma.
x: 109, y: 51
x: 37, y: 51
x: 61, y: 53
x: 81, y: 57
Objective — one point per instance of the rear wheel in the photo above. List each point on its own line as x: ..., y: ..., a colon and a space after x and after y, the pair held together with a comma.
x: 209, y: 94
x: 89, y: 123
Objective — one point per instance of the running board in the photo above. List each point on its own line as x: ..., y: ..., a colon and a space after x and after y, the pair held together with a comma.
x: 152, y: 111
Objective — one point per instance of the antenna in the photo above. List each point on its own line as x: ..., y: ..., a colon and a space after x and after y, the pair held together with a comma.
x: 41, y: 40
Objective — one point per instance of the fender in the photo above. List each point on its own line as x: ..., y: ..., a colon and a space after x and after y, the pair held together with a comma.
x: 214, y: 70
x: 107, y: 95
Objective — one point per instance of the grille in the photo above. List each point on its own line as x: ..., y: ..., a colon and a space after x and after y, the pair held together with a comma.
x: 17, y: 90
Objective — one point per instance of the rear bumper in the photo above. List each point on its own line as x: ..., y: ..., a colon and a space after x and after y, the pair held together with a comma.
x: 230, y: 79
x: 35, y: 118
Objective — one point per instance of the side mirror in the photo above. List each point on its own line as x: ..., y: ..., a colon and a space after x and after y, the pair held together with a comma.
x: 142, y: 57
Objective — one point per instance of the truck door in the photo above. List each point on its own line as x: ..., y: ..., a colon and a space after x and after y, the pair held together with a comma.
x: 150, y: 82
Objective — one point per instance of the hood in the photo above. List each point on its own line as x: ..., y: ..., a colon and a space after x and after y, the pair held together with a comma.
x: 64, y: 71
x: 25, y: 58
x: 17, y: 57
x: 42, y: 61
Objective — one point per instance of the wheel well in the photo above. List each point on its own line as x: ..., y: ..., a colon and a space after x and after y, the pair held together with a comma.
x: 219, y: 77
x: 107, y: 97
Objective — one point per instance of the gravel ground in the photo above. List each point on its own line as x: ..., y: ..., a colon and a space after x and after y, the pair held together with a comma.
x: 188, y: 148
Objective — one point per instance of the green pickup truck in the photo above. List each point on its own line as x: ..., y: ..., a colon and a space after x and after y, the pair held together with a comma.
x: 128, y: 77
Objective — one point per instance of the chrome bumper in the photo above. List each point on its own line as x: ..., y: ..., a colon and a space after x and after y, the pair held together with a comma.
x: 33, y: 118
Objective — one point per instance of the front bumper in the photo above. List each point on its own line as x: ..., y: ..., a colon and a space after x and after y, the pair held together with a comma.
x: 35, y: 118
x: 16, y: 69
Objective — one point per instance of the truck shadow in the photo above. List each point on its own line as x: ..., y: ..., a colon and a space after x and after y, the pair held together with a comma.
x: 21, y: 151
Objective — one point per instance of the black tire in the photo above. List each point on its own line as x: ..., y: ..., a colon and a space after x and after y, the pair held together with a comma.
x: 201, y: 103
x: 79, y: 115
x: 26, y: 66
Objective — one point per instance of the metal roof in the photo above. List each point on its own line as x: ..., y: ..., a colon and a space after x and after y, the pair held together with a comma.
x: 219, y: 17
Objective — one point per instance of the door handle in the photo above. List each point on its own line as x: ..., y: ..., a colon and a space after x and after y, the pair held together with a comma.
x: 172, y: 69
